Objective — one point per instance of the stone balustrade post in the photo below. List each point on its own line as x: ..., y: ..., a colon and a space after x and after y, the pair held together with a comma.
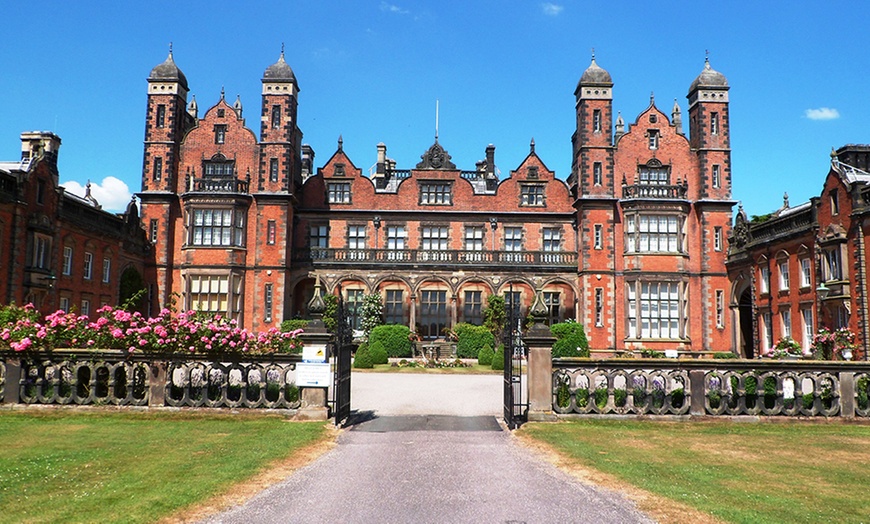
x: 157, y: 385
x: 698, y: 407
x: 13, y: 381
x: 847, y: 395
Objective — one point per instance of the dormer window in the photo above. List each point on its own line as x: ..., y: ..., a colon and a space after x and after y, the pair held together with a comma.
x: 436, y: 193
x: 338, y: 192
x: 653, y: 173
x: 218, y: 166
x: 653, y: 136
x: 531, y: 195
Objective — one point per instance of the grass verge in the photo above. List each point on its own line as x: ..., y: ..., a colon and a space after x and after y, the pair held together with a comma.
x: 752, y: 473
x: 63, y: 466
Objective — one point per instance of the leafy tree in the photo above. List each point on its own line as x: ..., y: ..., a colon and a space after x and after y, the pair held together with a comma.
x: 378, y: 353
x: 484, y: 358
x: 495, y: 315
x: 498, y: 358
x: 570, y: 340
x: 330, y: 315
x: 371, y: 313
x: 131, y: 292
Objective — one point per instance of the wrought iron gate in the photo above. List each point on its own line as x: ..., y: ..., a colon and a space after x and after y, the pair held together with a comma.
x: 516, y: 400
x: 343, y: 348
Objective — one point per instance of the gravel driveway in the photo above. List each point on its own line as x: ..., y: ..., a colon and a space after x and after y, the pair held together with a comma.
x: 430, y: 451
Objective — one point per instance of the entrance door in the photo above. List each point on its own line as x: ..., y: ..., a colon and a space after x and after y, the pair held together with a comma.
x: 747, y: 333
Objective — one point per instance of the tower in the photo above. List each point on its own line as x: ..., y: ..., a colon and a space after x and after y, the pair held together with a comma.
x: 593, y: 138
x: 709, y: 131
x: 280, y: 138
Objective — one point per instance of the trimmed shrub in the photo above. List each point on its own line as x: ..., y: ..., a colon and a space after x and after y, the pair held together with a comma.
x: 570, y: 340
x: 378, y: 353
x: 484, y: 358
x: 294, y: 324
x: 471, y: 339
x: 363, y: 359
x: 395, y: 339
x: 498, y: 358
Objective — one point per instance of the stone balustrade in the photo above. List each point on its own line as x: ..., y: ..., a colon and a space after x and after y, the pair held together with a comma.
x: 116, y: 378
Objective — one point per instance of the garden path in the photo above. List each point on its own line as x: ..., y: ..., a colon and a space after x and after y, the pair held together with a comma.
x: 405, y: 464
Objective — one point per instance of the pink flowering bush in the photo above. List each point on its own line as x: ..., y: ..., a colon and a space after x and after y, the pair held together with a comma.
x: 833, y: 345
x: 115, y: 328
x: 786, y: 347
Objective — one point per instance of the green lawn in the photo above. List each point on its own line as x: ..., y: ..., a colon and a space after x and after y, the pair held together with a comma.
x: 475, y: 369
x: 61, y: 466
x: 738, y: 472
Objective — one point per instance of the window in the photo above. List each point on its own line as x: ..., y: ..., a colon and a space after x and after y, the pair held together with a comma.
x: 218, y: 166
x: 513, y: 307
x: 338, y: 192
x: 653, y: 233
x: 220, y: 134
x: 531, y: 195
x: 474, y: 240
x: 394, y: 307
x: 215, y: 294
x: 717, y: 238
x: 89, y: 266
x: 714, y: 123
x: 153, y: 228
x: 767, y: 331
x: 41, y: 251
x: 40, y: 191
x: 552, y: 239
x: 267, y: 303
x: 832, y: 258
x: 433, y: 313
x: 221, y: 113
x: 656, y: 175
x: 720, y: 309
x: 273, y: 169
x: 597, y: 240
x: 86, y: 307
x: 157, y: 174
x: 513, y: 244
x: 552, y: 301
x: 596, y: 121
x: 67, y: 260
x: 107, y: 270
x: 432, y: 193
x: 835, y: 202
x: 599, y: 307
x: 64, y: 304
x: 395, y: 241
x: 472, y: 308
x: 783, y: 275
x: 161, y: 115
x: 806, y: 273
x: 276, y: 117
x: 271, y: 232
x: 655, y: 310
x: 218, y: 227
x: 808, y: 331
x: 716, y: 178
x: 785, y: 316
x: 434, y: 242
x: 356, y: 241
x: 653, y: 139
x: 765, y: 280
x: 596, y: 174
x: 318, y: 241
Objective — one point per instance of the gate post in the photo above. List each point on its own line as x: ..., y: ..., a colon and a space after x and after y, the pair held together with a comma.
x: 313, y: 387
x: 540, y: 365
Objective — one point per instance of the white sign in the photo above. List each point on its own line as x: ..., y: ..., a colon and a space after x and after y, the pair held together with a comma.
x: 672, y: 353
x: 313, y: 375
x: 314, y: 353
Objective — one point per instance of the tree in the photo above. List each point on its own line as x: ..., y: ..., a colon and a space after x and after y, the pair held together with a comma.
x: 495, y: 315
x: 371, y: 313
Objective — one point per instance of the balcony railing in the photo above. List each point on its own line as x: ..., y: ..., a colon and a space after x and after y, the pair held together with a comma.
x: 678, y: 191
x: 435, y: 257
x: 219, y: 185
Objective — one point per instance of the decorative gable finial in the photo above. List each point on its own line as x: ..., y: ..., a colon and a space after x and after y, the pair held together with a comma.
x: 532, y: 145
x: 340, y: 143
x: 222, y: 93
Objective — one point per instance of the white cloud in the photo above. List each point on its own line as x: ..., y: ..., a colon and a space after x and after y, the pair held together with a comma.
x: 390, y: 8
x: 551, y: 9
x: 822, y: 113
x: 112, y: 193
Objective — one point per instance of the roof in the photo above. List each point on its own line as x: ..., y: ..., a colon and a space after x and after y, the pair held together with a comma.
x: 709, y: 77
x: 280, y: 71
x: 168, y: 72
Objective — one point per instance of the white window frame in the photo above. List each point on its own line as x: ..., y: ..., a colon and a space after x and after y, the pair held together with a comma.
x: 598, y: 236
x: 808, y: 329
x: 806, y: 272
x: 67, y: 260
x: 88, y: 266
x: 656, y: 310
x: 764, y: 279
x: 107, y: 270
x: 338, y: 192
x: 717, y: 238
x: 785, y: 319
x: 644, y: 234
x: 783, y: 276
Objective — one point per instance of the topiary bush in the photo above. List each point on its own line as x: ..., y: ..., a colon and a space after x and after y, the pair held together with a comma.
x: 498, y: 358
x: 471, y: 339
x: 378, y: 353
x: 395, y: 339
x: 363, y: 359
x: 484, y: 358
x: 570, y: 340
x: 294, y: 324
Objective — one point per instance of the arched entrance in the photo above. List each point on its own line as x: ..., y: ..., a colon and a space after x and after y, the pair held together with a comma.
x: 747, y: 333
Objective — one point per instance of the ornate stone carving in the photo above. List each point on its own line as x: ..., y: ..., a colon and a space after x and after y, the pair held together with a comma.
x: 436, y: 158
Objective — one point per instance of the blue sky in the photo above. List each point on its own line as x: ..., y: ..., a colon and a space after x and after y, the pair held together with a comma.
x: 504, y: 73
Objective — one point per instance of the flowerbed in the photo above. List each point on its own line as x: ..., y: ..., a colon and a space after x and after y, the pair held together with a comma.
x: 115, y: 328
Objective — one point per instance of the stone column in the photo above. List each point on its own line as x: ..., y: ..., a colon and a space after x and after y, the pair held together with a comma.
x: 314, y: 399
x: 540, y: 341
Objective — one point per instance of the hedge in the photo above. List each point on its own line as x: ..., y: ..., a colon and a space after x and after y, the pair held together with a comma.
x: 570, y: 340
x: 471, y: 339
x: 395, y: 339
